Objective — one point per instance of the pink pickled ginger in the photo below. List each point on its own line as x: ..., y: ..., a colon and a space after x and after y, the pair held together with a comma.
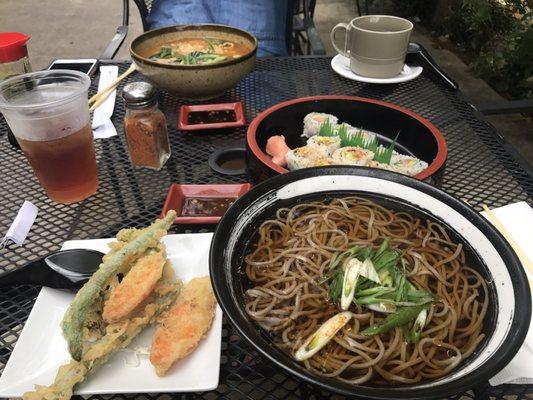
x: 277, y: 148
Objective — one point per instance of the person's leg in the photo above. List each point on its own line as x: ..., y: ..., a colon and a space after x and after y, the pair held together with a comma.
x: 265, y: 19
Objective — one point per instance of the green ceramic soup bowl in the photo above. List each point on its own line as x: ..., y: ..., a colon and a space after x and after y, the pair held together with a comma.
x: 200, y: 81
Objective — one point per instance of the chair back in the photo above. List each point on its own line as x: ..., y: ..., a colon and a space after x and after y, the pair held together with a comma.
x: 145, y: 7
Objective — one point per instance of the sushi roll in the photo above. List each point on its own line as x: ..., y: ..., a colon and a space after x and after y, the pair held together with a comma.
x: 301, y: 157
x: 407, y: 165
x: 325, y: 145
x: 352, y: 156
x: 313, y: 121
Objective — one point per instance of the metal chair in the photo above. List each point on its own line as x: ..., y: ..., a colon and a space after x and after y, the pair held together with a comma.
x: 302, y: 31
x: 300, y: 28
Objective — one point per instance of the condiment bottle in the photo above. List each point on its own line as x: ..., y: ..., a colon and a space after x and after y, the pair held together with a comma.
x: 13, y: 61
x: 145, y: 126
x: 13, y: 54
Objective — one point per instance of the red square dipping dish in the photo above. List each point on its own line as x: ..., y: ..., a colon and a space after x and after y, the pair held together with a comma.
x: 211, y: 116
x: 202, y: 204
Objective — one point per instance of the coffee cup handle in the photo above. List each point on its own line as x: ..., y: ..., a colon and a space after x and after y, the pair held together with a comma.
x: 346, y: 51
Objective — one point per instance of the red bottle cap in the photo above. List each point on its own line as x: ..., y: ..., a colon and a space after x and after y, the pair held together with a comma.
x: 12, y: 46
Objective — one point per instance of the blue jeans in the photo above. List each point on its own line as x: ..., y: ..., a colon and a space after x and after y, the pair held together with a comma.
x: 265, y: 19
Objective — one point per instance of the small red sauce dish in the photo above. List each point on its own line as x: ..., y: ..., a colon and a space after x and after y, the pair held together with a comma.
x: 211, y: 116
x: 202, y: 204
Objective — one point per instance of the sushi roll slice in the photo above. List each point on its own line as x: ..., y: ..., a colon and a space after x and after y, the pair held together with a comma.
x: 322, y: 162
x: 301, y: 157
x: 387, y: 167
x: 313, y: 121
x: 407, y: 165
x: 325, y: 145
x: 352, y: 156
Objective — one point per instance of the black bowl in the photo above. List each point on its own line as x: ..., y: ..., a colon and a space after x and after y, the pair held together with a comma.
x: 509, y: 312
x: 228, y: 161
x: 418, y: 137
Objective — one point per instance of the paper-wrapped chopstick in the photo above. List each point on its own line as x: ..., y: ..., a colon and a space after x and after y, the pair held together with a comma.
x: 100, y: 97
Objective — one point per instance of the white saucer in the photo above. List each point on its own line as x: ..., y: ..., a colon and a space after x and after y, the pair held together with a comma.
x: 341, y: 65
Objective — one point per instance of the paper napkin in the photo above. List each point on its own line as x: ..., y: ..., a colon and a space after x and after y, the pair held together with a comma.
x: 102, y: 125
x: 21, y: 225
x: 518, y: 220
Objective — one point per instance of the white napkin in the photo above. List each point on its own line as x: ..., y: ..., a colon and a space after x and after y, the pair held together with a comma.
x: 102, y: 126
x: 518, y: 220
x: 21, y: 225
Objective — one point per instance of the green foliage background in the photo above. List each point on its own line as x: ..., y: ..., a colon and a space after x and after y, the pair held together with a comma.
x: 496, y: 35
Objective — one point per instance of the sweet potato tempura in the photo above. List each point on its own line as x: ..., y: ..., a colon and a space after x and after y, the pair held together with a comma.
x: 134, y: 288
x: 184, y: 326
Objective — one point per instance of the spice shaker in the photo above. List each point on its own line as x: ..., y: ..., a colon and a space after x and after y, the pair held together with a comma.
x: 145, y: 126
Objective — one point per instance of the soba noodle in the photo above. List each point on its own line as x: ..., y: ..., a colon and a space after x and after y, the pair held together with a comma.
x: 289, y: 299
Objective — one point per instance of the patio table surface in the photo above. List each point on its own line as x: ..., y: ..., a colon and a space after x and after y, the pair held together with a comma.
x: 482, y: 168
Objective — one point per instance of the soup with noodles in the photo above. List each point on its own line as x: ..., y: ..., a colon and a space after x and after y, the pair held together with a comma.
x: 366, y: 295
x: 196, y: 50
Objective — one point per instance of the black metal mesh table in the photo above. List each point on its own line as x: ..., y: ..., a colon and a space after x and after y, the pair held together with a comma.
x: 480, y: 170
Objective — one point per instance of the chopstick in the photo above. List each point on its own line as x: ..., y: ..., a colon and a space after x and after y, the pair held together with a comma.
x: 100, y: 97
x: 518, y: 250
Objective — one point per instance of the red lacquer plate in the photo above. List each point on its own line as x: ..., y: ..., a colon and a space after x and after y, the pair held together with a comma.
x: 199, y: 111
x: 177, y: 195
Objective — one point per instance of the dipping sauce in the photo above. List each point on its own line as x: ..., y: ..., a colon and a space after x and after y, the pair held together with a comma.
x: 236, y: 163
x: 206, y: 206
x: 211, y: 117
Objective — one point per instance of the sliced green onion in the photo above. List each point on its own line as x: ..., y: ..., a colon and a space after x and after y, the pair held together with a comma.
x: 416, y: 330
x: 322, y: 336
x: 369, y: 272
x: 375, y: 290
x: 383, y: 307
x: 399, y: 318
x: 351, y: 273
x: 385, y: 277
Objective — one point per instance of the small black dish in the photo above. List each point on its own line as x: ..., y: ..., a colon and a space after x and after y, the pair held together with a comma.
x: 228, y: 161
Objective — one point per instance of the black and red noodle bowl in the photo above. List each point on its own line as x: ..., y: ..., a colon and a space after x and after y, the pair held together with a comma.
x: 504, y: 326
x: 417, y: 136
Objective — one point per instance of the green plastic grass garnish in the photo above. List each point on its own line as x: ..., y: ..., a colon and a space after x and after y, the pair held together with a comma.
x: 384, y: 155
x: 381, y: 154
x: 326, y: 129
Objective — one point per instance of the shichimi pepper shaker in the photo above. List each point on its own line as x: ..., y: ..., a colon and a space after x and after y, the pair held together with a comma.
x: 145, y: 126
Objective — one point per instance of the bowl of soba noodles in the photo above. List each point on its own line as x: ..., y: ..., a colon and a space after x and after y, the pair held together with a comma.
x: 195, y: 61
x: 370, y: 283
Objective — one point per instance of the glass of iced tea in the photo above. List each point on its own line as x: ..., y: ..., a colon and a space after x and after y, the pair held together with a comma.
x: 49, y: 115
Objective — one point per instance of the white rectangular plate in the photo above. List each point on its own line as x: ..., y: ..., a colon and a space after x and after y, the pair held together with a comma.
x: 41, y: 348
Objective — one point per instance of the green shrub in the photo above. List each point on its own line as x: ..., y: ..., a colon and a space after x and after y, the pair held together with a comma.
x: 496, y: 35
x: 498, y: 38
x: 413, y: 8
